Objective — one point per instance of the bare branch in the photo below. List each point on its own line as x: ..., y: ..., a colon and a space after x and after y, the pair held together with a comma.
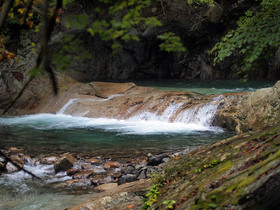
x: 19, y: 167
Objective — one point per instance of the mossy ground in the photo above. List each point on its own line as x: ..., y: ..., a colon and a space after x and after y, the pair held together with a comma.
x: 227, y: 175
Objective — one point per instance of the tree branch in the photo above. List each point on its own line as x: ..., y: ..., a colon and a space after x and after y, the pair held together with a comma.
x: 19, y: 167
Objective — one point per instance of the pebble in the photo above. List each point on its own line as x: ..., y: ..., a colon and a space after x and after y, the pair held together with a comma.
x: 82, y: 175
x: 93, y: 161
x: 111, y: 165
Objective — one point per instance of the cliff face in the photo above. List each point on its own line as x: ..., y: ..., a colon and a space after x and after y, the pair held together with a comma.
x: 199, y: 28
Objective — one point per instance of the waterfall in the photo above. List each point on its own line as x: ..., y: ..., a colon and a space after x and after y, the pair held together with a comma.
x: 203, y: 115
x: 166, y: 116
x: 200, y: 115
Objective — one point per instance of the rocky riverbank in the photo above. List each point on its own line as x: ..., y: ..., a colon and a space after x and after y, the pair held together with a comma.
x: 239, y: 112
x: 241, y: 172
x: 124, y: 179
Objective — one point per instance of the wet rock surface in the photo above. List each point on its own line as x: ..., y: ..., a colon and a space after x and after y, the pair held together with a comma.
x: 241, y: 172
x: 76, y: 171
x: 64, y: 163
x: 126, y: 100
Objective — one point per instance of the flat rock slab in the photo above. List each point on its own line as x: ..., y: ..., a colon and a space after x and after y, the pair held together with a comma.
x: 116, y: 197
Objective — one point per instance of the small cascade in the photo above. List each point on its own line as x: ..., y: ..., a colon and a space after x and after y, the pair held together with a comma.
x: 166, y: 116
x: 63, y: 109
x: 203, y: 115
x: 199, y: 115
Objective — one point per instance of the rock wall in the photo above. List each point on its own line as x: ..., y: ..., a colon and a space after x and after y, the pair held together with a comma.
x: 199, y: 28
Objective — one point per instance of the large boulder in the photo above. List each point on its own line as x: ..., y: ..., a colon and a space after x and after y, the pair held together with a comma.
x: 262, y: 108
x: 64, y: 163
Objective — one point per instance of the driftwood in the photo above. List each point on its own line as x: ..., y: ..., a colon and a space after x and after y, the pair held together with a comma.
x: 18, y: 166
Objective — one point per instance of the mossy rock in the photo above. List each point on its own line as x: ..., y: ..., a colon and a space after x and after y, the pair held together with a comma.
x: 242, y: 172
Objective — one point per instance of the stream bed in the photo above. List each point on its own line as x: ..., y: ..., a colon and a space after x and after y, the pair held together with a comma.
x: 52, y: 134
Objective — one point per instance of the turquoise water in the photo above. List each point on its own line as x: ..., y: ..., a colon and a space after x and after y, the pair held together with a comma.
x: 47, y: 134
x: 207, y: 86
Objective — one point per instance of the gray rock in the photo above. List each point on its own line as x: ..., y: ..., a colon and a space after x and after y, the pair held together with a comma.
x: 142, y: 175
x: 10, y: 168
x: 64, y: 163
x: 156, y: 160
x: 127, y: 178
x: 128, y: 170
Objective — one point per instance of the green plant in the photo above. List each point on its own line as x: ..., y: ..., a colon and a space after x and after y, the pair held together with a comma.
x: 169, y: 203
x: 152, y: 196
x: 211, y: 164
x: 213, y: 198
x: 256, y: 34
x: 212, y: 205
x: 198, y: 170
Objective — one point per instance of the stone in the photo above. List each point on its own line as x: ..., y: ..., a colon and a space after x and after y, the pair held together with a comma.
x: 110, y: 164
x: 26, y: 159
x: 48, y: 160
x: 2, y: 159
x: 106, y: 187
x: 107, y: 179
x: 76, y: 183
x: 115, y: 174
x: 128, y: 170
x: 117, y: 197
x: 104, y: 90
x: 86, y: 166
x: 98, y: 170
x: 10, y: 168
x: 18, y: 161
x: 156, y: 160
x: 149, y: 155
x: 82, y: 175
x: 72, y: 171
x: 127, y: 178
x: 64, y: 163
x: 93, y: 161
x: 13, y: 150
x: 142, y: 175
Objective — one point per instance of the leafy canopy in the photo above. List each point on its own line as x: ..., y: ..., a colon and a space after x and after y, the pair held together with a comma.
x: 124, y: 15
x: 256, y: 34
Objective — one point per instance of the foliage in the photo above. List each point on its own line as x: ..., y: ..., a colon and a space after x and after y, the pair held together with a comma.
x: 152, y: 196
x: 210, y: 2
x: 256, y: 33
x: 169, y: 203
x: 171, y: 43
x: 211, y: 164
x: 124, y: 17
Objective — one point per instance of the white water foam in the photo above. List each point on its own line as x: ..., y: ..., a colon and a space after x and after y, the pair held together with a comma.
x: 18, y: 179
x: 197, y: 119
x: 200, y: 115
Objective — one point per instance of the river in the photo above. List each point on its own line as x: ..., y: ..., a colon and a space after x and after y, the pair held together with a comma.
x: 43, y: 134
